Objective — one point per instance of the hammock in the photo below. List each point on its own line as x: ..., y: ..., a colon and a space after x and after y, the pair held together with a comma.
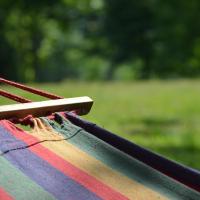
x: 66, y: 157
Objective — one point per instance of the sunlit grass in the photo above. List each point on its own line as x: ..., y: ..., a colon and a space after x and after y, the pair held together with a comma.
x: 161, y: 115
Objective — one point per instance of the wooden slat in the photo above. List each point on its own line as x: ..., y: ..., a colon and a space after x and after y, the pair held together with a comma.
x: 44, y: 108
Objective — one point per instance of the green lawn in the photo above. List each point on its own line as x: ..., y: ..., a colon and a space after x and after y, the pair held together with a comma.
x: 161, y: 115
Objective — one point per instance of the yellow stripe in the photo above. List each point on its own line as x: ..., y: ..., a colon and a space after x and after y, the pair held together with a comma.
x: 94, y: 167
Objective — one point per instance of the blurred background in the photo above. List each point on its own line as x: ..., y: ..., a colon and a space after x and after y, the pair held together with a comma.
x: 139, y: 61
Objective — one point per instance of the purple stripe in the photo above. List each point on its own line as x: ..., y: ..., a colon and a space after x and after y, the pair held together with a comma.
x: 52, y: 180
x: 8, y: 143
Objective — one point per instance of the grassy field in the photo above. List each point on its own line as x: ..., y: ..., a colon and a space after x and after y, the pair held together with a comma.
x: 161, y: 115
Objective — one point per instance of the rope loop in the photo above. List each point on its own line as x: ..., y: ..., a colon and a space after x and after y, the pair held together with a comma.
x: 28, y: 120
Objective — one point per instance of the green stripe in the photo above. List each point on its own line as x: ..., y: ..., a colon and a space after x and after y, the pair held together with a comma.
x: 123, y: 163
x: 18, y: 185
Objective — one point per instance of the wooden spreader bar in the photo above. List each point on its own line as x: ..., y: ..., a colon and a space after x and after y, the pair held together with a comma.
x: 81, y: 105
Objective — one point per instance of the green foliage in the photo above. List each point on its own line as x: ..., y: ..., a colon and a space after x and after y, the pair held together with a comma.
x: 95, y: 39
x: 124, y: 72
x: 129, y: 71
x: 93, y: 69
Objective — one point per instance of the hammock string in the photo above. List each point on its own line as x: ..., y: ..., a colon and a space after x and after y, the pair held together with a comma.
x: 29, y: 119
x: 14, y: 97
x: 30, y: 89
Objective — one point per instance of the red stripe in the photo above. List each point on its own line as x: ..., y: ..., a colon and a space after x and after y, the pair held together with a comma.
x: 64, y: 166
x: 4, y: 195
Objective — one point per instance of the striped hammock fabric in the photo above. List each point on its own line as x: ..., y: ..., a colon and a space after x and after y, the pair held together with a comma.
x: 70, y: 159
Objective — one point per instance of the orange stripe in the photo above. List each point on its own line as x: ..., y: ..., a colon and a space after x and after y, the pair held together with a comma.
x: 88, y: 164
x: 94, y: 167
x: 89, y: 182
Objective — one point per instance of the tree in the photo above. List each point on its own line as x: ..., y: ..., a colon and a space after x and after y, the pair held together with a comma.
x: 129, y: 29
